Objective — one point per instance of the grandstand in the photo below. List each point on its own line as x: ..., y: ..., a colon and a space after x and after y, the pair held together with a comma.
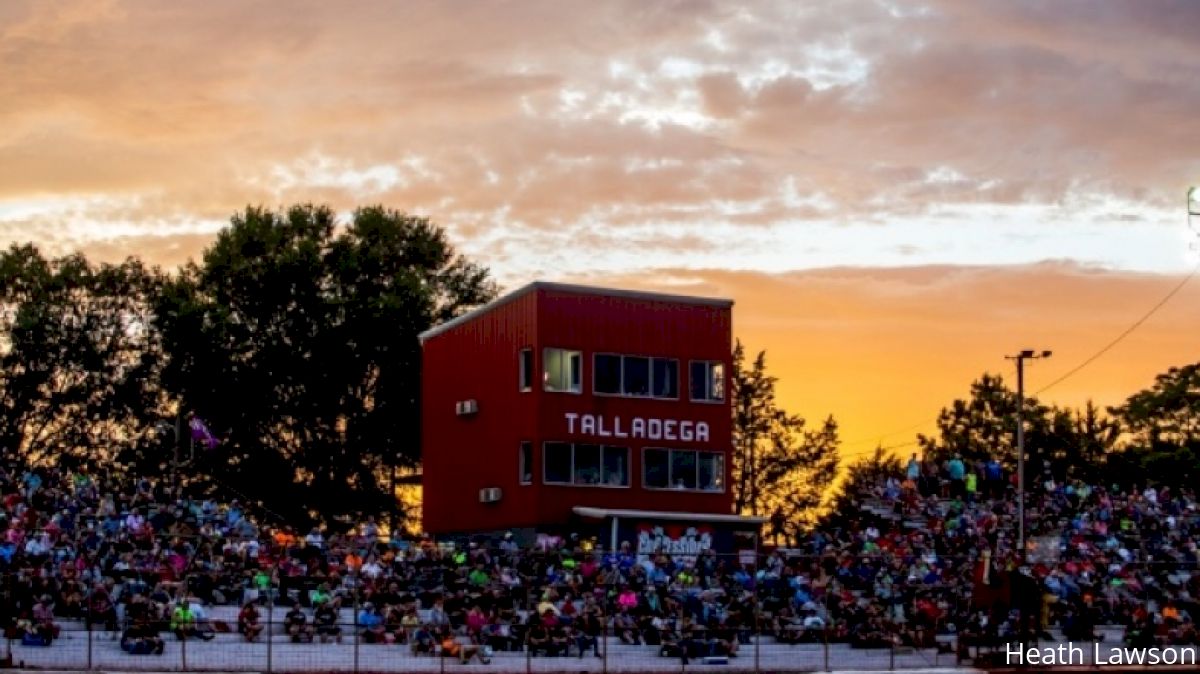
x: 920, y: 573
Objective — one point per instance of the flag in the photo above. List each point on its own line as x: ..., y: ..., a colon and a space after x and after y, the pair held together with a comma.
x: 201, y: 433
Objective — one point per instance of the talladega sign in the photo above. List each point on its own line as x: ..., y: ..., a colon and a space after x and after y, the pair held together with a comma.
x: 650, y: 429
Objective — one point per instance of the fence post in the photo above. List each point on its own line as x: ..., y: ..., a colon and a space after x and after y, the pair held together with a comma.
x: 826, y: 647
x: 757, y: 633
x: 604, y: 633
x: 891, y: 654
x: 87, y: 617
x: 354, y: 628
x: 183, y: 651
x: 270, y: 628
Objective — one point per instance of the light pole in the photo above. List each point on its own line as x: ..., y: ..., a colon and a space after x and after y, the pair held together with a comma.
x: 1027, y: 354
x: 1193, y: 211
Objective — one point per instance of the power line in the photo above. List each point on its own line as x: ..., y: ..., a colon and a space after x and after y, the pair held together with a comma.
x: 1124, y: 334
x: 1091, y: 359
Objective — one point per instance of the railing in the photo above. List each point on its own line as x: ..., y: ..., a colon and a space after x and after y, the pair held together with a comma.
x: 753, y: 641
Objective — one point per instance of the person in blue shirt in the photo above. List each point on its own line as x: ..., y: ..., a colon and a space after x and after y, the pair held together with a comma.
x: 994, y: 475
x: 913, y: 470
x: 371, y: 623
x: 957, y: 471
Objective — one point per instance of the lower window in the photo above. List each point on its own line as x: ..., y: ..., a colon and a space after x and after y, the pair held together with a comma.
x: 683, y: 469
x: 585, y: 465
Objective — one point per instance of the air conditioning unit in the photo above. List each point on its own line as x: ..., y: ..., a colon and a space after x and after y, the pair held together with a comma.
x: 466, y: 407
x: 489, y: 495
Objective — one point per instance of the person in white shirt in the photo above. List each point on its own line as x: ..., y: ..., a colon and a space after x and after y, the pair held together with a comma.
x: 315, y: 539
x: 135, y: 522
x: 372, y: 569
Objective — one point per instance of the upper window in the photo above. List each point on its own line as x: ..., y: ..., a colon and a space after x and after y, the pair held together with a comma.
x: 635, y: 376
x: 563, y: 370
x: 525, y: 363
x: 683, y: 469
x: 586, y: 465
x: 708, y: 380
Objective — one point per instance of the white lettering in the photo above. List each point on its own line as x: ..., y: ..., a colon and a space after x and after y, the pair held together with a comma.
x: 685, y: 548
x: 639, y: 428
x: 617, y: 429
x: 1171, y: 655
x: 685, y: 431
x: 654, y: 429
x: 1011, y: 650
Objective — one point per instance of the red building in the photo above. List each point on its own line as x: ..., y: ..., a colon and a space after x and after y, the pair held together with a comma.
x: 558, y: 404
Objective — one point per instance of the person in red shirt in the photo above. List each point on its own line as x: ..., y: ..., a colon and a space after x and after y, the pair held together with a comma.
x: 248, y: 624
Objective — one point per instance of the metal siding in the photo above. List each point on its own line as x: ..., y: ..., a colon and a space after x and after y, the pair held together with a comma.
x: 598, y: 324
x: 478, y: 359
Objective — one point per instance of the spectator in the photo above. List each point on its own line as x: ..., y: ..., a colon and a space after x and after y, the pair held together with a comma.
x: 325, y: 619
x: 297, y: 625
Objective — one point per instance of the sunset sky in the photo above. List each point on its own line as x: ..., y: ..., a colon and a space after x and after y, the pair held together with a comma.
x: 896, y: 194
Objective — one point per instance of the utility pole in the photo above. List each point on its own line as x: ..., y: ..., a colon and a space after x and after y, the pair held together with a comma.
x: 1027, y: 354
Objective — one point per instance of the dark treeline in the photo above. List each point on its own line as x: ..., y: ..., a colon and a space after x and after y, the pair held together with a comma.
x: 293, y: 338
x: 1152, y: 439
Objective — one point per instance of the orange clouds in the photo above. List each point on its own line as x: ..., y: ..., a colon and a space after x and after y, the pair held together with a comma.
x: 560, y: 139
x: 555, y: 117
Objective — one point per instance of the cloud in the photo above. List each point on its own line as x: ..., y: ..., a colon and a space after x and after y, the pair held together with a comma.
x: 706, y: 116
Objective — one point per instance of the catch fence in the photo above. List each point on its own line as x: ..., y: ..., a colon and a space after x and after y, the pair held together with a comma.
x: 746, y: 615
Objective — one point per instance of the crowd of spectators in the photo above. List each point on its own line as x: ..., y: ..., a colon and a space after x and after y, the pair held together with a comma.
x: 139, y: 558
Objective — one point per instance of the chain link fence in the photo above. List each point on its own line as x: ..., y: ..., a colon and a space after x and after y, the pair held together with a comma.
x: 810, y: 614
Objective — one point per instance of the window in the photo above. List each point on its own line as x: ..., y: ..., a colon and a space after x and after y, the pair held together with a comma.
x: 607, y: 374
x: 557, y: 456
x: 636, y: 376
x: 525, y: 360
x: 657, y: 465
x: 563, y: 370
x: 666, y: 378
x: 708, y: 381
x: 711, y: 471
x: 586, y: 465
x: 683, y: 469
x: 616, y: 466
x: 525, y: 463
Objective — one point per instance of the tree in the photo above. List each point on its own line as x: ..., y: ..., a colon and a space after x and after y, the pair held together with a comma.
x: 1160, y: 429
x: 870, y: 471
x: 780, y: 467
x: 297, y: 342
x: 1068, y: 443
x: 79, y: 359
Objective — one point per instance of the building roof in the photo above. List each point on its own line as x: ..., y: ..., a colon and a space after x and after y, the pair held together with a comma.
x: 573, y: 289
x: 584, y: 511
